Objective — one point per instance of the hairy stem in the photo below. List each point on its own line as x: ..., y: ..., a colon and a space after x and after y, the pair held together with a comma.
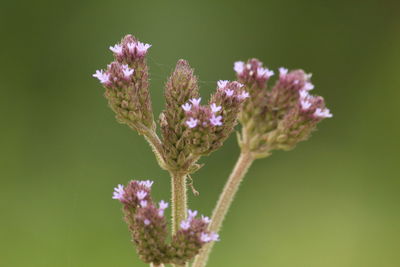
x: 225, y: 200
x: 178, y: 200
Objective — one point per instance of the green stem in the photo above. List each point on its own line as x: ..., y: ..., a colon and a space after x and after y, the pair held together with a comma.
x: 179, y: 200
x: 225, y: 200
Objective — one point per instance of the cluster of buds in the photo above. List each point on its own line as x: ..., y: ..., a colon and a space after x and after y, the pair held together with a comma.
x: 190, y: 129
x: 148, y: 225
x: 280, y: 117
x: 126, y: 81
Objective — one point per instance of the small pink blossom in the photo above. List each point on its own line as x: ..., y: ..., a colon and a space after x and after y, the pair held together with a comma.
x: 162, y: 206
x: 243, y: 95
x: 187, y: 107
x: 215, y: 108
x: 214, y: 236
x: 282, y: 71
x: 146, y: 221
x: 131, y: 47
x: 264, y: 73
x: 142, y: 48
x: 323, y: 113
x: 143, y: 203
x: 308, y: 86
x: 305, y: 104
x: 237, y: 84
x: 146, y: 183
x: 304, y: 94
x: 192, y: 214
x: 205, y: 219
x: 239, y: 67
x: 185, y: 224
x: 127, y: 71
x: 222, y: 83
x: 117, y: 49
x: 119, y: 192
x: 102, y: 76
x: 229, y: 92
x: 204, y: 237
x: 195, y: 101
x: 192, y: 122
x: 216, y: 121
x: 141, y: 194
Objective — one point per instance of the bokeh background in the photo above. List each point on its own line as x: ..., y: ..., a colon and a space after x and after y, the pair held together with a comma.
x: 333, y: 201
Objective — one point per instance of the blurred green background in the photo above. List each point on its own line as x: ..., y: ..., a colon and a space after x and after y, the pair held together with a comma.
x: 333, y: 201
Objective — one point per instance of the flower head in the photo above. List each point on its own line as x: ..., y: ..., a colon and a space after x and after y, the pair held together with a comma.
x: 239, y: 67
x: 186, y: 107
x: 141, y: 194
x: 192, y: 122
x: 282, y: 71
x: 185, y: 225
x: 222, y: 83
x: 195, y: 101
x: 142, y: 48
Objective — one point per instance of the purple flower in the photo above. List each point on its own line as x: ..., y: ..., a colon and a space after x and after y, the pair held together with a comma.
x: 119, y: 192
x: 146, y: 183
x: 192, y: 122
x: 192, y: 214
x: 214, y: 236
x: 239, y: 67
x: 102, y: 76
x: 141, y: 48
x: 127, y: 71
x: 141, y: 194
x: 195, y: 101
x: 186, y: 107
x: 131, y: 47
x: 162, y: 206
x: 323, y: 113
x: 216, y: 121
x: 185, y: 224
x: 229, y: 92
x: 243, y: 95
x: 308, y: 86
x: 222, y: 84
x: 205, y: 219
x: 304, y: 94
x: 264, y: 73
x: 215, y: 108
x: 143, y: 203
x: 117, y: 49
x: 204, y: 237
x: 282, y: 71
x: 305, y: 104
x: 146, y: 221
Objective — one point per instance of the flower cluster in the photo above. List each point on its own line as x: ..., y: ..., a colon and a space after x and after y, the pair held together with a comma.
x: 126, y: 82
x: 280, y: 117
x: 147, y: 223
x: 191, y: 129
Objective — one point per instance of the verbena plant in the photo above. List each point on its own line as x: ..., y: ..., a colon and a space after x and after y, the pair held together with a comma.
x: 272, y: 118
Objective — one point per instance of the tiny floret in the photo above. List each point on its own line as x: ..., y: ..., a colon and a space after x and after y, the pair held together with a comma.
x: 187, y: 107
x: 146, y: 221
x: 204, y: 237
x: 127, y: 71
x: 142, y: 48
x: 215, y: 108
x: 308, y: 86
x: 146, y: 183
x: 305, y: 104
x: 102, y: 76
x: 239, y: 67
x: 119, y: 192
x: 117, y: 49
x: 243, y: 95
x: 141, y: 194
x: 195, y: 101
x: 283, y: 71
x: 205, y: 219
x: 264, y: 73
x: 229, y: 92
x: 131, y: 47
x: 192, y: 122
x: 214, y: 236
x: 163, y: 205
x: 323, y: 113
x: 216, y: 121
x: 192, y: 214
x: 143, y: 203
x: 185, y: 224
x: 222, y: 83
